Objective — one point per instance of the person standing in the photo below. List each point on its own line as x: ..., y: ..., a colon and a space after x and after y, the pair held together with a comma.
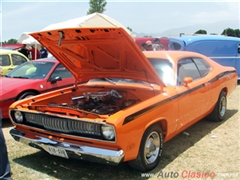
x: 25, y: 51
x: 35, y: 53
x: 149, y: 46
x: 156, y: 44
x: 5, y: 170
x: 144, y: 46
x: 160, y: 47
x: 43, y: 52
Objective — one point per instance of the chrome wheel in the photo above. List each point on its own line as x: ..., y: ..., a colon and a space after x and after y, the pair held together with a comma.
x: 152, y: 147
x: 223, y: 106
x: 219, y: 112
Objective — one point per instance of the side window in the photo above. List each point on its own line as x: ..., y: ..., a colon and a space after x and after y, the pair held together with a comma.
x: 4, y: 60
x: 175, y: 46
x: 61, y: 71
x: 187, y: 68
x: 239, y: 49
x: 203, y: 67
x: 17, y: 59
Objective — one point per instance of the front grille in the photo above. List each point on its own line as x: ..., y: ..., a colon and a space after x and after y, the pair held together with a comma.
x: 63, y: 125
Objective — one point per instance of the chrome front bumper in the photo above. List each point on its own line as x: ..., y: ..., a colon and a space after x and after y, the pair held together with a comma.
x: 68, y: 150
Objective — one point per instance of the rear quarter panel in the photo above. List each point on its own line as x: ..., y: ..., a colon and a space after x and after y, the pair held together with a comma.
x: 220, y: 78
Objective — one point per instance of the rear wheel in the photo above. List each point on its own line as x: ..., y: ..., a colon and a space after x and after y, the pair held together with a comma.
x: 219, y: 111
x: 150, y: 150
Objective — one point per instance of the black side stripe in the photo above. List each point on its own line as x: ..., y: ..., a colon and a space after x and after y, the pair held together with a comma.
x: 139, y: 113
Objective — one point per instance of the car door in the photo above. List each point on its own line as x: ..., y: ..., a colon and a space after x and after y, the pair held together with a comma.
x: 60, y: 77
x: 18, y: 59
x: 193, y: 97
x: 5, y: 63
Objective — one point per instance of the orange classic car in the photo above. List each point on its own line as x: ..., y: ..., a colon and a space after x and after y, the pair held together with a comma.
x: 128, y: 102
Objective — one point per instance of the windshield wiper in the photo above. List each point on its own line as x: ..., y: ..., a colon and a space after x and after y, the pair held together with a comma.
x: 22, y: 77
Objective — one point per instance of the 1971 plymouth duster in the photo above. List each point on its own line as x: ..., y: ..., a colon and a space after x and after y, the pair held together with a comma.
x: 125, y: 104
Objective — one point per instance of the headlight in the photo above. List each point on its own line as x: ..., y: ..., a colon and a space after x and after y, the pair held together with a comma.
x: 108, y: 132
x: 18, y: 116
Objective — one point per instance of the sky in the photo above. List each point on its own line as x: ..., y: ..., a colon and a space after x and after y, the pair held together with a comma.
x: 146, y: 16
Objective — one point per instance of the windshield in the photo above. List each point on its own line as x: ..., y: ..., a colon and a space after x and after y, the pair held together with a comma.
x: 164, y: 68
x: 31, y: 70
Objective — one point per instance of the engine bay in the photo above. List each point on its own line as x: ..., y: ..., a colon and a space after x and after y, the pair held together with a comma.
x: 101, y: 102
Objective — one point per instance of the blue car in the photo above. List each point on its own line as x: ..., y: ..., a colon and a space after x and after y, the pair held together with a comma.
x: 223, y: 49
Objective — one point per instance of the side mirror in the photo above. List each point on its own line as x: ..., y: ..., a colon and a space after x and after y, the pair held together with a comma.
x: 187, y: 80
x: 55, y: 79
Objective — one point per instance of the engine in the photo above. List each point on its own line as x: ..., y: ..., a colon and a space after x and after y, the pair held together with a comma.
x: 107, y: 102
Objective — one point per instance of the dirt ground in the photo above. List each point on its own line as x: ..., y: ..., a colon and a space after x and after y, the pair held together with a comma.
x: 207, y: 150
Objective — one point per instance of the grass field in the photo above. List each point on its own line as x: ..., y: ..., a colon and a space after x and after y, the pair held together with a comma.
x: 206, y: 147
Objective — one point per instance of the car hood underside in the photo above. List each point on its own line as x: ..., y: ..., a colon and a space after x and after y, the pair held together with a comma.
x: 98, y: 53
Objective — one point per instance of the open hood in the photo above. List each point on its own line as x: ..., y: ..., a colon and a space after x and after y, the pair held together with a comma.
x: 98, y: 53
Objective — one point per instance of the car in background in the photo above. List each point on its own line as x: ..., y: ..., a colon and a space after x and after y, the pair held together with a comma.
x: 10, y: 59
x: 224, y: 50
x: 11, y: 46
x: 32, y: 78
x: 131, y: 103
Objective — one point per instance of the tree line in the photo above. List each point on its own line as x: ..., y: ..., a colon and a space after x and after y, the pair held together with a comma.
x: 226, y: 32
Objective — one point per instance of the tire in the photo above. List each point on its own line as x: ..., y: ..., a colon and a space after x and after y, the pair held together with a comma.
x: 219, y: 111
x: 150, y: 150
x: 26, y: 95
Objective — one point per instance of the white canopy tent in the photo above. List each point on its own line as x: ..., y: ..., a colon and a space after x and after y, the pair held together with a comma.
x: 91, y: 20
x: 25, y: 38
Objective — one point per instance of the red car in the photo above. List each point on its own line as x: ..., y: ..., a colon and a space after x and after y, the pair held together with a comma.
x: 32, y: 78
x: 11, y: 46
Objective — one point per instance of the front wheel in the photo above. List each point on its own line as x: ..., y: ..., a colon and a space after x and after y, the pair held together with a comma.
x: 150, y: 150
x: 219, y: 111
x: 27, y: 95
